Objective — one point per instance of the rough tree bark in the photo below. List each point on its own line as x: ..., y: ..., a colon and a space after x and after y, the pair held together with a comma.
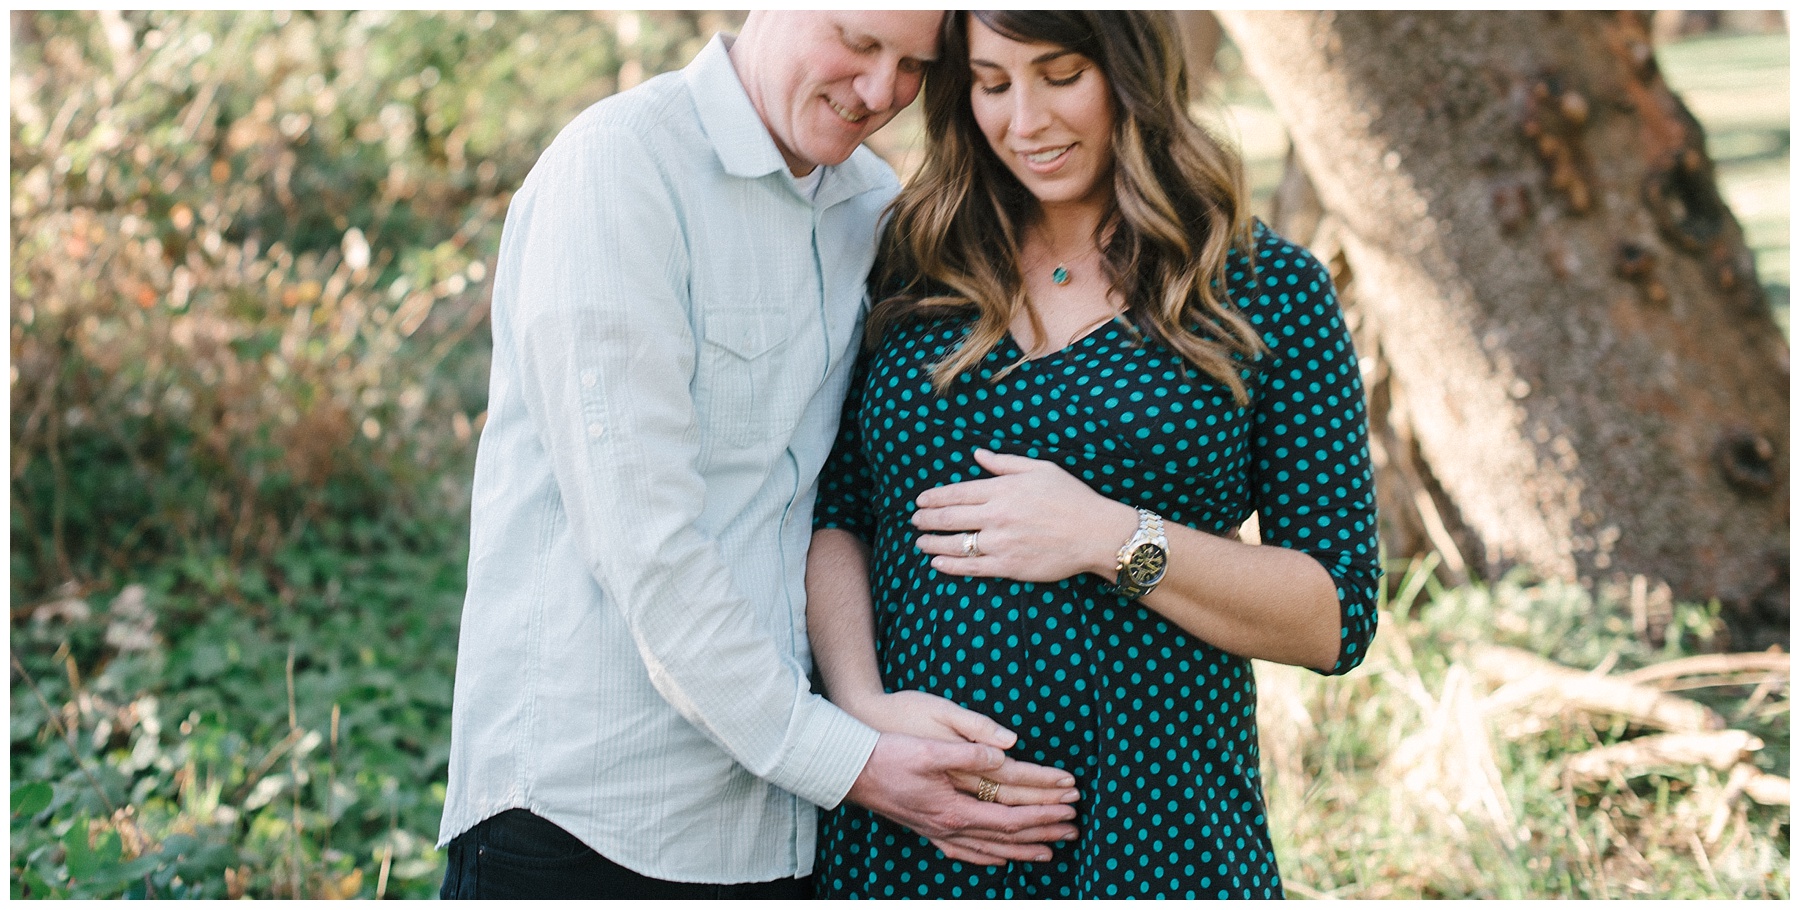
x: 1572, y: 365
x: 1200, y: 39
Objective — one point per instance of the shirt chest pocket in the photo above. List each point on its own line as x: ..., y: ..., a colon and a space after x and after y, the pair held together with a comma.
x: 748, y: 380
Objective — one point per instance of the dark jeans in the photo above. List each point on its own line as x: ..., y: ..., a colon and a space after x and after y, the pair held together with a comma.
x: 519, y: 855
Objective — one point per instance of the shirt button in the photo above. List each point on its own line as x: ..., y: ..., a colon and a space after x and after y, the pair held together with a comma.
x: 595, y: 431
x: 588, y: 378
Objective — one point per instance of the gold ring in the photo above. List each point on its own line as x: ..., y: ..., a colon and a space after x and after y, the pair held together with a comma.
x: 987, y: 791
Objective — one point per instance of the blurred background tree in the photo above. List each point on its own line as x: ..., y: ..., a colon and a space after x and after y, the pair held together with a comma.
x: 1575, y: 366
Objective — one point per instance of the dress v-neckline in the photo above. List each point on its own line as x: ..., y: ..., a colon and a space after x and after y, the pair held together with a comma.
x: 1092, y: 332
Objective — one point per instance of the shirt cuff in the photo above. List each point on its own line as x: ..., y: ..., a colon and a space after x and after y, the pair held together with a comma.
x: 829, y: 752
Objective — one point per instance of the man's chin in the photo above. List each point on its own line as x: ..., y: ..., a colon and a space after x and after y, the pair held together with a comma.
x: 836, y: 155
x: 837, y: 147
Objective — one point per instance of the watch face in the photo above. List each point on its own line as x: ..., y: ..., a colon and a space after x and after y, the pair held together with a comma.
x: 1147, y: 564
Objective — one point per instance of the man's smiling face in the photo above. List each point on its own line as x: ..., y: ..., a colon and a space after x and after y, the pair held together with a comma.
x: 839, y: 76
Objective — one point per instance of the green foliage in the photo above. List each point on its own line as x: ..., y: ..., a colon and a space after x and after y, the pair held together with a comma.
x: 251, y: 264
x: 292, y: 745
x: 249, y: 280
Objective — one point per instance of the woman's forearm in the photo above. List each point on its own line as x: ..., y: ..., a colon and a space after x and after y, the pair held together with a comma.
x: 840, y: 617
x: 1039, y: 523
x: 1269, y: 603
x: 840, y: 621
x: 1265, y: 602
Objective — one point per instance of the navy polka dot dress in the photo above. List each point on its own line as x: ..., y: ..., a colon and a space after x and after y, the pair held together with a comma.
x: 1158, y: 727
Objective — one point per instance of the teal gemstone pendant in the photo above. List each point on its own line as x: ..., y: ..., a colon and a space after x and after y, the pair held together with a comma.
x: 1060, y: 276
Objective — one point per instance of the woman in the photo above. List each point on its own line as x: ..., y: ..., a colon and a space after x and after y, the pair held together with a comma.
x: 1090, y: 368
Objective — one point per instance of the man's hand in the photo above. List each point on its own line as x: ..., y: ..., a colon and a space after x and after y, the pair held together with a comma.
x: 928, y: 716
x: 917, y: 782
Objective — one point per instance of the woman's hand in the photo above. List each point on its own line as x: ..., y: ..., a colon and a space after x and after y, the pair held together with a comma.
x: 1031, y: 521
x: 928, y: 716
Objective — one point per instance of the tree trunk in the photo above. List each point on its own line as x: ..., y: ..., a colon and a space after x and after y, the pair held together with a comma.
x: 1573, y: 366
x: 1200, y: 39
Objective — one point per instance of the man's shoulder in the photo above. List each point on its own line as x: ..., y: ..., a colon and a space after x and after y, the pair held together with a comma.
x: 657, y: 117
x: 874, y: 172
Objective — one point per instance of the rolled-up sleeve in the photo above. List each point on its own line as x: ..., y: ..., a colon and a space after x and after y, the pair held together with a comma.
x: 605, y: 353
x: 1315, y: 483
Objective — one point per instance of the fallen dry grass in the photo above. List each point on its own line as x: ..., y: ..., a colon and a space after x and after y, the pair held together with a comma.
x: 1521, y: 741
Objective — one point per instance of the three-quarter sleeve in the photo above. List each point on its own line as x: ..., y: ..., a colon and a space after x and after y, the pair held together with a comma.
x: 1314, y: 484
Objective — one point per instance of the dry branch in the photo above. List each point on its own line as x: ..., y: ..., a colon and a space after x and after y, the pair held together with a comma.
x: 1729, y: 665
x: 1768, y: 789
x: 1523, y: 678
x: 1720, y: 750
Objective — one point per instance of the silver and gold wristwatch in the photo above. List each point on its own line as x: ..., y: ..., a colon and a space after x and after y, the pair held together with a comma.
x: 1144, y: 558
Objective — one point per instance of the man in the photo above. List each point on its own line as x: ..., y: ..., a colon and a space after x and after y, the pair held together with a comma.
x: 676, y: 308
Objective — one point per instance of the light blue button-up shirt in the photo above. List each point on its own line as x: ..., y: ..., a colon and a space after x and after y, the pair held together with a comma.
x: 674, y: 325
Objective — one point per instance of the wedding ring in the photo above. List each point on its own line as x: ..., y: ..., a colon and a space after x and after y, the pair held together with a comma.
x: 987, y: 791
x: 971, y: 543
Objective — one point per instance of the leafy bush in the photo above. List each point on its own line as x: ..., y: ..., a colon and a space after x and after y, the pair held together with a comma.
x: 250, y: 259
x: 288, y: 748
x: 250, y: 269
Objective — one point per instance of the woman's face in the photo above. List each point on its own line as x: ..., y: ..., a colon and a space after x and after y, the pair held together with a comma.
x: 1047, y: 112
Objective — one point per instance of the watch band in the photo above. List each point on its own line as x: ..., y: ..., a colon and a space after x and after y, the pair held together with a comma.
x: 1143, y: 559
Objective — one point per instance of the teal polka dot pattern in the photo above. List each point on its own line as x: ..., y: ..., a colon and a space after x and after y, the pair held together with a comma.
x: 1158, y: 727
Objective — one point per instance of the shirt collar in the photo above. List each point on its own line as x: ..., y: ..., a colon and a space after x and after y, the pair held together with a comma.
x: 743, y: 143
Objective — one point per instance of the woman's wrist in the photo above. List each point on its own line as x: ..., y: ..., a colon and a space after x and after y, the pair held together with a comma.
x: 1112, y: 530
x: 856, y: 700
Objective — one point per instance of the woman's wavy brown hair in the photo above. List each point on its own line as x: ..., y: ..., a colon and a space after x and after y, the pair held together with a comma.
x: 953, y: 242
